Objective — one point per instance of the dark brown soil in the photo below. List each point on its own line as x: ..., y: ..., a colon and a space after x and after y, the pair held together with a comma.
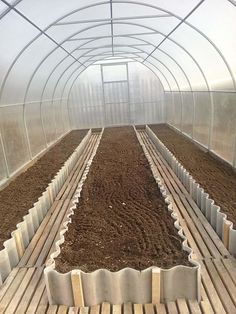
x: 121, y: 219
x: 217, y: 178
x: 20, y: 195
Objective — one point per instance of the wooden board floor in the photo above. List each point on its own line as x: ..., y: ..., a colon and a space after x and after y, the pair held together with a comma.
x: 24, y: 290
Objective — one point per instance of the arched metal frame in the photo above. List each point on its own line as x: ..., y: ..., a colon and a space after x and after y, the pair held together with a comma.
x: 120, y: 1
x: 112, y: 21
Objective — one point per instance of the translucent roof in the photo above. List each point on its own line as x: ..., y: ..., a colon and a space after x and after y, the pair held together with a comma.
x: 46, y: 44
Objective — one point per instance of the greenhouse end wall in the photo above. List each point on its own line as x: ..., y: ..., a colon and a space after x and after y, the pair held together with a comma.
x: 121, y: 93
x: 206, y: 117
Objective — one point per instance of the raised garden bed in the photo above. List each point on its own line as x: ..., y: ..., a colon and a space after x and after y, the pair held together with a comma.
x: 217, y: 178
x: 121, y: 219
x: 122, y: 244
x: 20, y: 195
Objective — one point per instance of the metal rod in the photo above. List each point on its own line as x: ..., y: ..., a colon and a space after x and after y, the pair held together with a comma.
x: 175, y: 28
x: 4, y: 156
x: 113, y: 19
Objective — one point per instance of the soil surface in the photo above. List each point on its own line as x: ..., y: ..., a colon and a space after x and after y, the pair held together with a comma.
x: 121, y: 219
x: 216, y: 177
x: 20, y: 195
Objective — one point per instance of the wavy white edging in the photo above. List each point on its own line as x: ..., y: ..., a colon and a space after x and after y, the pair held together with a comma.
x: 14, y: 247
x: 217, y: 219
x: 126, y: 285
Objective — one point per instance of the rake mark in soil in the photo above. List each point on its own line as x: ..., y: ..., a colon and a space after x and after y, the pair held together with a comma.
x: 121, y: 219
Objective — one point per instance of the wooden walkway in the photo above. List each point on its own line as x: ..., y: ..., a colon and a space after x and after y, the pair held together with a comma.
x: 24, y: 290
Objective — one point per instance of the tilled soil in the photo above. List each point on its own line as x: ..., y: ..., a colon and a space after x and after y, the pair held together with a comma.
x: 217, y: 178
x: 121, y: 219
x: 20, y: 195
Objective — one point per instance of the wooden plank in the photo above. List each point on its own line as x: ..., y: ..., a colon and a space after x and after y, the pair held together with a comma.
x: 25, y: 301
x: 95, y: 309
x: 200, y: 215
x: 225, y: 277
x: 42, y: 309
x: 73, y: 310
x: 16, y: 298
x: 36, y: 297
x: 171, y: 308
x: 230, y: 265
x: 12, y: 289
x: 49, y: 236
x: 156, y: 285
x: 52, y: 309
x: 84, y: 310
x: 193, y: 228
x: 149, y: 308
x: 220, y: 288
x: 116, y: 309
x: 41, y: 230
x: 175, y: 196
x: 182, y: 306
x: 211, y: 291
x: 62, y: 309
x: 138, y: 308
x: 160, y: 308
x: 194, y: 307
x: 105, y: 308
x: 127, y: 308
x: 77, y: 288
x: 212, y: 234
x: 206, y: 308
x: 7, y: 283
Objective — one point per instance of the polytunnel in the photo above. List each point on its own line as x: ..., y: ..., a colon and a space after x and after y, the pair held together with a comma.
x: 164, y: 71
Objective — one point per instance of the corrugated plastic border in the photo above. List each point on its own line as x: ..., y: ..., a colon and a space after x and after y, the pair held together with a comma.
x: 217, y: 219
x: 77, y: 288
x: 15, y: 247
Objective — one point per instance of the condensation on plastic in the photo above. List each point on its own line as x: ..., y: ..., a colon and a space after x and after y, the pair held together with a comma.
x: 212, y: 212
x: 20, y: 238
x: 176, y: 282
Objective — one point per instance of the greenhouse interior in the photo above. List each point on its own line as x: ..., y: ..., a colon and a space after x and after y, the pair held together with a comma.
x: 118, y: 156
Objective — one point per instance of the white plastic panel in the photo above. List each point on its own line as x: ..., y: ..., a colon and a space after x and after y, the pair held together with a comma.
x: 177, y: 110
x: 14, y: 136
x: 15, y: 34
x: 205, y: 55
x: 187, y: 113
x: 202, y: 117
x: 222, y: 34
x: 55, y: 9
x: 138, y: 100
x: 21, y: 73
x: 114, y: 73
x: 3, y: 169
x: 180, y: 8
x: 188, y: 63
x: 49, y: 122
x: 174, y: 67
x: 224, y: 125
x: 34, y: 127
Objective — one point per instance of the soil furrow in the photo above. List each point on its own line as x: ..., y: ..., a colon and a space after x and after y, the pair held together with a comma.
x: 121, y: 219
